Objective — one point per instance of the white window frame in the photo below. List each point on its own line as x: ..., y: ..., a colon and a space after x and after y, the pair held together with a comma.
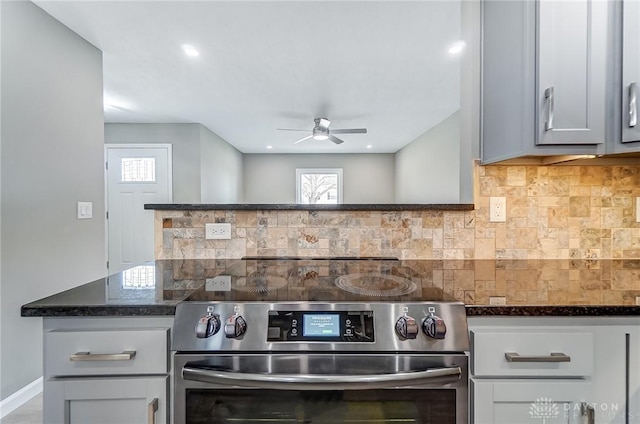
x: 302, y: 171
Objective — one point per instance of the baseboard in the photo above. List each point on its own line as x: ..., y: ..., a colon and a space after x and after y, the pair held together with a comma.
x: 20, y: 397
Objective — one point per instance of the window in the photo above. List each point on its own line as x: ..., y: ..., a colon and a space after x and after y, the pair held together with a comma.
x: 138, y: 170
x: 319, y: 186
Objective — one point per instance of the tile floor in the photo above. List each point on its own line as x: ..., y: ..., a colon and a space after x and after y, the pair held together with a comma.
x: 29, y: 413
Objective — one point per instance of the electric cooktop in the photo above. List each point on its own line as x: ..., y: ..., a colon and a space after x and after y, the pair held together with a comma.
x: 297, y: 279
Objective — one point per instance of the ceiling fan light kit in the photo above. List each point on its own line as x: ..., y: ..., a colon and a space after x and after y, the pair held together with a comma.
x: 319, y: 136
x: 321, y: 131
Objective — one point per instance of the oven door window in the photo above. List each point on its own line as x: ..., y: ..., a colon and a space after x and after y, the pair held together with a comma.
x: 425, y: 406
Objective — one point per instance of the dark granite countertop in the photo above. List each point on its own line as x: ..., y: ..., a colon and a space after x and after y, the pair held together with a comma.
x: 551, y: 310
x: 108, y: 297
x: 156, y: 288
x: 296, y: 207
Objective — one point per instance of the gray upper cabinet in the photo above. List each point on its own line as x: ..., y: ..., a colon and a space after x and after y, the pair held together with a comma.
x: 630, y: 72
x: 571, y: 71
x: 543, y: 78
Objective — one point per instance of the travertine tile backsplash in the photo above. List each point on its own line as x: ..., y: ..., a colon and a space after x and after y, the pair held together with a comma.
x: 559, y: 212
x: 553, y: 212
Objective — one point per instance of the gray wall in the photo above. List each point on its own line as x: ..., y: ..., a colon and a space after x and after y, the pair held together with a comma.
x: 52, y: 157
x: 221, y: 168
x: 367, y: 178
x: 428, y: 169
x: 469, y: 98
x: 185, y: 139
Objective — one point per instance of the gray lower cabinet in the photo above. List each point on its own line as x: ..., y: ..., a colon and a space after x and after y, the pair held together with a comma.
x: 617, y: 374
x: 598, y: 380
x: 107, y: 370
x: 107, y: 400
x: 529, y: 401
x: 543, y: 78
x: 526, y: 370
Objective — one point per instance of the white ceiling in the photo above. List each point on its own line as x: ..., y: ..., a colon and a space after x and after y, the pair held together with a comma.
x: 382, y: 65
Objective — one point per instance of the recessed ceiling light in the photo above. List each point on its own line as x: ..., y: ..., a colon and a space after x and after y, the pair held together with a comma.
x: 369, y: 146
x: 457, y: 47
x: 269, y: 147
x: 190, y: 50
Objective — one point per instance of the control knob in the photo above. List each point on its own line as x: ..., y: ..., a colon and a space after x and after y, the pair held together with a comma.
x: 235, y: 326
x: 434, y: 327
x: 406, y: 327
x: 208, y: 325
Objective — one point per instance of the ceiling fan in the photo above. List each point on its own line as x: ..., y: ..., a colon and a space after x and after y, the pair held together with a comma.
x: 321, y: 131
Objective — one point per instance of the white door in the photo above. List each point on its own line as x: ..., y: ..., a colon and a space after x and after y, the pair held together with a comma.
x: 136, y: 174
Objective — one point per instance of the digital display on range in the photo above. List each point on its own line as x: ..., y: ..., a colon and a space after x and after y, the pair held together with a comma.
x: 321, y: 325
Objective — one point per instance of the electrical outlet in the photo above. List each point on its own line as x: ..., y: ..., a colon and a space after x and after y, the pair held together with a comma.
x: 221, y: 231
x: 497, y: 209
x: 218, y: 283
x: 637, y: 209
x: 497, y: 300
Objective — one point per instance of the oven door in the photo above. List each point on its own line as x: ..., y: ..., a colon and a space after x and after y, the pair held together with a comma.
x: 320, y: 388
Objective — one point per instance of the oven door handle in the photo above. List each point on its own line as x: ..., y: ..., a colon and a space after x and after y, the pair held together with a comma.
x: 439, y: 376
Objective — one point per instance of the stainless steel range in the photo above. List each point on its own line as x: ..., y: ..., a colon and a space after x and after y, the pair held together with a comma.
x: 367, y: 352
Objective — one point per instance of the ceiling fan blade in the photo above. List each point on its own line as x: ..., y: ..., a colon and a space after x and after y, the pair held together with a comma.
x: 303, y: 139
x: 289, y: 129
x: 335, y: 139
x: 349, y: 131
x: 322, y: 123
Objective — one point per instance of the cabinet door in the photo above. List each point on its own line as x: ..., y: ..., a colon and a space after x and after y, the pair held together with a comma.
x: 617, y: 375
x: 634, y: 375
x: 571, y: 71
x: 630, y: 71
x: 106, y: 401
x: 528, y: 401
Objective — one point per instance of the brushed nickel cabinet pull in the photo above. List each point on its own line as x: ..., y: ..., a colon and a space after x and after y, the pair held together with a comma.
x: 151, y: 411
x: 548, y: 95
x: 589, y: 412
x: 633, y: 105
x: 127, y: 355
x: 553, y: 357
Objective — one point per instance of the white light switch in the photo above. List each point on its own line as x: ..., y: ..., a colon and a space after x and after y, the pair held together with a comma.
x: 85, y: 210
x: 637, y: 209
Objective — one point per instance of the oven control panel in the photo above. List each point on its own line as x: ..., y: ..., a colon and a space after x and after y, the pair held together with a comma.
x: 320, y: 327
x: 325, y: 326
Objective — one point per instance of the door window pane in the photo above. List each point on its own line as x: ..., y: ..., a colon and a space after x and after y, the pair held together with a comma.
x: 140, y: 277
x: 138, y: 170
